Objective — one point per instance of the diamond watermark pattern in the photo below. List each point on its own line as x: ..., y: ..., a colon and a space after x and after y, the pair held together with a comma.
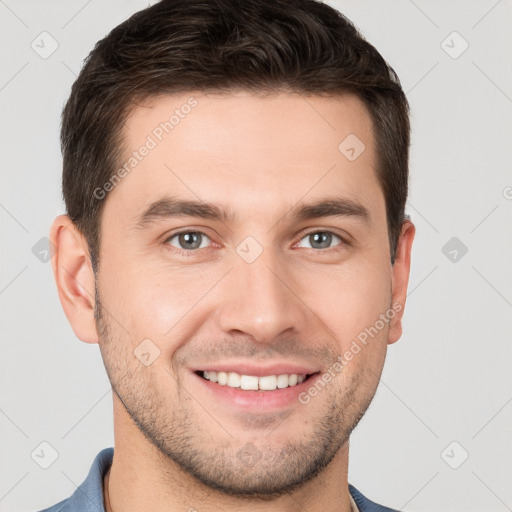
x: 351, y: 147
x: 44, y: 455
x: 249, y: 249
x: 454, y: 45
x: 43, y: 250
x: 455, y: 455
x: 44, y: 45
x: 249, y: 455
x: 147, y: 352
x: 454, y: 249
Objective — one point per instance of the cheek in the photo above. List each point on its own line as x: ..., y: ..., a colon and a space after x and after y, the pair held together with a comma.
x: 353, y: 299
x: 152, y: 299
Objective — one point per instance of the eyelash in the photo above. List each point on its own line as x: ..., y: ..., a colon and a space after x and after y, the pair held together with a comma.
x: 185, y: 252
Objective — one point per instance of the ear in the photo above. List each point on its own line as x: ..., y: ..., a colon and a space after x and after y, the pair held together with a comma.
x: 74, y: 276
x: 400, y: 279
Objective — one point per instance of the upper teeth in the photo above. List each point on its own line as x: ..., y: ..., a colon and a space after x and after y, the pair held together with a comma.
x: 267, y: 383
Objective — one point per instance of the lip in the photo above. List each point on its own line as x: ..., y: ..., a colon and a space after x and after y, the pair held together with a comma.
x: 246, y: 368
x: 257, y: 402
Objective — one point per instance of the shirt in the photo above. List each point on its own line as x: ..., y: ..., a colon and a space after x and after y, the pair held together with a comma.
x: 88, y: 497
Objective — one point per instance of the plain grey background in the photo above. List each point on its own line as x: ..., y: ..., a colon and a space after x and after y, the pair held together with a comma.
x: 437, y: 435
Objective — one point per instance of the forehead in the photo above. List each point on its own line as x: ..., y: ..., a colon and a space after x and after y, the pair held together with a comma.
x: 248, y: 151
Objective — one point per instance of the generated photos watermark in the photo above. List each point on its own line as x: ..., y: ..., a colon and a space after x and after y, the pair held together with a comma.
x: 156, y: 136
x: 342, y: 360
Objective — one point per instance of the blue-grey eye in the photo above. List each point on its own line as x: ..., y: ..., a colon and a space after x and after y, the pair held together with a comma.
x: 189, y: 240
x: 321, y: 239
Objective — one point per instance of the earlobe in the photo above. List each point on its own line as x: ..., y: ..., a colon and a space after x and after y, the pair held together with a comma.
x: 400, y: 279
x: 74, y: 277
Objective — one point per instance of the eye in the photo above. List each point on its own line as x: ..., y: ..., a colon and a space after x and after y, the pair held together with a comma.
x: 321, y: 239
x: 188, y: 240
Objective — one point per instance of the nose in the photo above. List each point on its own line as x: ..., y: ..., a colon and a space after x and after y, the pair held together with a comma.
x: 258, y: 299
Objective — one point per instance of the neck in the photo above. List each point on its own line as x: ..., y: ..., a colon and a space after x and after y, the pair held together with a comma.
x: 106, y: 497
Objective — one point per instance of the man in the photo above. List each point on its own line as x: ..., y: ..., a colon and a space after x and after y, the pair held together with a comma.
x: 235, y: 177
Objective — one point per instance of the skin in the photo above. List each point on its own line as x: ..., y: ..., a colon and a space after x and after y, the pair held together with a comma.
x: 176, y: 446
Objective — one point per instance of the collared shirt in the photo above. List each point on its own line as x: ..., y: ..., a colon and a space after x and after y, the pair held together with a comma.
x: 353, y: 506
x: 88, y: 497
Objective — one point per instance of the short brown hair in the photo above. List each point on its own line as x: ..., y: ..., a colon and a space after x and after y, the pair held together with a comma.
x: 175, y: 46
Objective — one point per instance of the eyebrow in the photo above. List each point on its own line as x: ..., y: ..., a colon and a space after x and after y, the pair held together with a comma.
x: 169, y: 207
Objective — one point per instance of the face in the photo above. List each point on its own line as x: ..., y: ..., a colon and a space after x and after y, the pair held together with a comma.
x: 248, y: 282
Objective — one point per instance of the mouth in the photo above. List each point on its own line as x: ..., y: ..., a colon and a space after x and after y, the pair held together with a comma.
x: 255, y: 388
x: 254, y: 383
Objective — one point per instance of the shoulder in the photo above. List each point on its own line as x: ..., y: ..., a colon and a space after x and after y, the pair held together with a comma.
x: 89, y: 495
x: 366, y: 505
x: 62, y: 506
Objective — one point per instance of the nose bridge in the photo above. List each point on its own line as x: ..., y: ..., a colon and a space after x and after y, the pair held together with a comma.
x: 259, y: 300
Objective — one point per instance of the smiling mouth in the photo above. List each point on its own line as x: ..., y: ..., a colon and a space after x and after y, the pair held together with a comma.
x: 254, y: 383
